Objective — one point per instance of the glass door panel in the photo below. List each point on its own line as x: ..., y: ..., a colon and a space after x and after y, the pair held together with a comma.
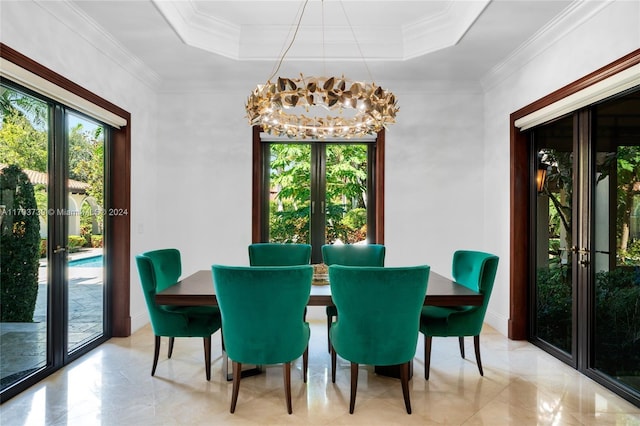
x: 318, y: 193
x: 586, y: 297
x: 347, y: 170
x: 554, y: 288
x: 616, y: 332
x: 85, y: 226
x: 289, y: 184
x: 24, y: 272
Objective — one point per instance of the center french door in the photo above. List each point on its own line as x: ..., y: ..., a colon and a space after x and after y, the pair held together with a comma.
x: 318, y: 193
x: 324, y: 191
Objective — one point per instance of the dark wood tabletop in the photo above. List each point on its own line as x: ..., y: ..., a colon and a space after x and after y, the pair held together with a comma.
x: 197, y: 290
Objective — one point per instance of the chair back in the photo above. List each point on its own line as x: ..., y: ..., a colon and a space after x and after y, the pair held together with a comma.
x: 378, y: 312
x: 163, y: 322
x: 167, y: 265
x: 279, y: 254
x: 477, y: 271
x: 353, y: 254
x: 262, y: 311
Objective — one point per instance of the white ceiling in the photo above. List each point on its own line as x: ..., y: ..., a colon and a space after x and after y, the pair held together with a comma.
x: 212, y: 41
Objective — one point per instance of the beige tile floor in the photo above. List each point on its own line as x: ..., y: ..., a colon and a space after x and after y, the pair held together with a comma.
x: 521, y: 386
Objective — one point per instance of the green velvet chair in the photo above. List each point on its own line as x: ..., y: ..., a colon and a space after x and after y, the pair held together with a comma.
x: 378, y: 318
x: 350, y: 255
x: 279, y: 254
x: 477, y: 271
x: 158, y: 270
x: 262, y: 317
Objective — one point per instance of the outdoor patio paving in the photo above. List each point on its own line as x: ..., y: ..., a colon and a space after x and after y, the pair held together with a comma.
x: 23, y: 345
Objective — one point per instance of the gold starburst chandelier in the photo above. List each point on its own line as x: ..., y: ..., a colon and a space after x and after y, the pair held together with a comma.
x: 353, y: 108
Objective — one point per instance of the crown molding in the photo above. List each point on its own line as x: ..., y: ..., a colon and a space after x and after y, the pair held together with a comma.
x: 574, y: 15
x: 86, y: 28
x: 442, y: 30
x: 263, y: 42
x: 201, y: 30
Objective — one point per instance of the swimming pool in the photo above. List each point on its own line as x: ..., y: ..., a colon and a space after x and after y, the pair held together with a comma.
x: 88, y: 262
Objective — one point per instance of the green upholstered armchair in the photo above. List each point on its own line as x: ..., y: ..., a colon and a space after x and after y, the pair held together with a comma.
x: 378, y: 318
x: 158, y: 270
x: 262, y: 317
x: 477, y: 271
x: 278, y: 254
x: 350, y: 255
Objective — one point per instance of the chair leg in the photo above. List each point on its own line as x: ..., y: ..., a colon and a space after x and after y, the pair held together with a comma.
x: 461, y: 343
x: 207, y: 356
x: 287, y: 384
x: 476, y: 345
x: 404, y: 378
x: 156, y: 354
x: 305, y: 363
x: 354, y: 386
x: 427, y: 356
x: 171, y: 341
x: 329, y: 321
x: 237, y: 370
x: 333, y: 365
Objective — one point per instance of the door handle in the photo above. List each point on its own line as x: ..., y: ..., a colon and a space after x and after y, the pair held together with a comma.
x: 584, y: 262
x: 59, y: 250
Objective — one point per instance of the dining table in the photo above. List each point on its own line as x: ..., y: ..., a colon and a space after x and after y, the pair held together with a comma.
x: 197, y: 289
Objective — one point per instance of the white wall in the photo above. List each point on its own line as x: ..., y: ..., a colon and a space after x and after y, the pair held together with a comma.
x: 447, y: 158
x: 51, y: 34
x: 433, y: 194
x: 595, y: 35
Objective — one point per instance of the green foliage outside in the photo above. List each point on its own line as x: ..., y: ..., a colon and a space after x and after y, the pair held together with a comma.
x: 617, y: 291
x: 346, y: 189
x: 20, y: 241
x: 24, y: 137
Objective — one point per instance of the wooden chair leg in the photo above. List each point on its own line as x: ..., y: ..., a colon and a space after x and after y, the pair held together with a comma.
x: 404, y: 378
x: 305, y: 363
x: 427, y: 356
x: 476, y: 345
x: 171, y: 341
x: 287, y: 385
x: 461, y: 343
x: 156, y: 354
x: 354, y: 386
x: 237, y: 370
x: 333, y: 365
x: 207, y: 356
x: 329, y: 321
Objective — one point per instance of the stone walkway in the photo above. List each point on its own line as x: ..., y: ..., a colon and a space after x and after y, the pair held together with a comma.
x: 23, y: 345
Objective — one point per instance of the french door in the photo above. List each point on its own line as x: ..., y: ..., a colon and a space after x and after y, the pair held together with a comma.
x: 318, y: 193
x: 585, y: 299
x: 52, y: 178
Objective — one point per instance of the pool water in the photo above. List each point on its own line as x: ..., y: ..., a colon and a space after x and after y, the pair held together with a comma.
x: 88, y: 262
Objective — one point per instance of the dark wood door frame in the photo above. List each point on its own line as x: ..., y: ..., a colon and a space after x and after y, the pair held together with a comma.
x: 118, y: 170
x: 520, y: 208
x: 257, y: 195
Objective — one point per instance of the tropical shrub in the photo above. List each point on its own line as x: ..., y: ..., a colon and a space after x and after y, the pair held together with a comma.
x: 20, y: 242
x: 96, y: 241
x: 75, y: 242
